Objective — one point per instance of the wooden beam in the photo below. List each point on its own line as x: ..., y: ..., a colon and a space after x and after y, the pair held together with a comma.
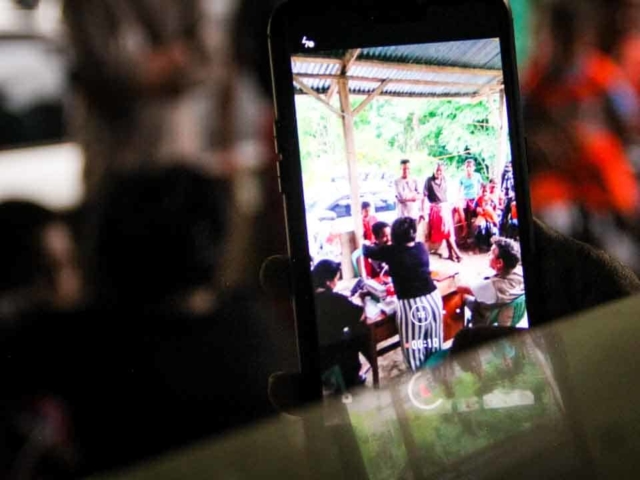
x: 347, y: 62
x: 332, y: 89
x: 428, y: 97
x: 305, y: 59
x: 398, y: 81
x: 491, y: 88
x: 414, y: 67
x: 307, y: 89
x: 370, y: 98
x: 349, y: 59
x: 503, y: 129
x: 352, y: 164
x: 466, y: 96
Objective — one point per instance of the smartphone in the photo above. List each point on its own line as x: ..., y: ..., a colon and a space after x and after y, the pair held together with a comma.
x: 402, y: 167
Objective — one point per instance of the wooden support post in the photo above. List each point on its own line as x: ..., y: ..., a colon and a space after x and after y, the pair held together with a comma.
x: 503, y: 136
x: 347, y: 63
x: 350, y: 147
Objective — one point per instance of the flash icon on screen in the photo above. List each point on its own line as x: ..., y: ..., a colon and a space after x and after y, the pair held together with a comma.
x: 307, y: 42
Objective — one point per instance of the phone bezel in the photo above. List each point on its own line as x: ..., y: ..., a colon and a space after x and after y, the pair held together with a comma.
x: 357, y: 23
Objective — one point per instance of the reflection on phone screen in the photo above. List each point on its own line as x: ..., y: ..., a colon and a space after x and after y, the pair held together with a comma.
x: 469, y: 418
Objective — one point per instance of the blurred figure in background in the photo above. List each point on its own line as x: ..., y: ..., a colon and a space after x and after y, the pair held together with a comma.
x: 163, y: 355
x: 143, y: 76
x: 39, y: 276
x: 581, y: 115
x: 159, y: 84
x: 39, y: 268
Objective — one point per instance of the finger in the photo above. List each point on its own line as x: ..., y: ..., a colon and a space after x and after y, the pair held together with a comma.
x: 275, y: 276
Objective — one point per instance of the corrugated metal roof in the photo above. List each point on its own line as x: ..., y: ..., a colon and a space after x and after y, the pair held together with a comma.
x: 462, y: 68
x: 468, y: 53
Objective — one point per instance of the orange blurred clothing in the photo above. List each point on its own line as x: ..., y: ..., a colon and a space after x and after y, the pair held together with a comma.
x: 486, y: 209
x: 604, y: 181
x: 591, y: 101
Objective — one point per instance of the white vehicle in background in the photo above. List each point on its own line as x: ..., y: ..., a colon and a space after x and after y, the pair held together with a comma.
x: 327, y: 220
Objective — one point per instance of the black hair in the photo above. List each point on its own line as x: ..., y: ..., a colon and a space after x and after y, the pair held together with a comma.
x: 405, y: 161
x: 364, y: 205
x: 508, y: 251
x: 324, y: 271
x: 378, y: 227
x: 403, y: 231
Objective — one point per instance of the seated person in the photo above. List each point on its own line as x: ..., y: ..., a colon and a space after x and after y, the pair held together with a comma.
x: 382, y: 236
x: 470, y: 184
x: 496, y: 292
x: 341, y: 333
x: 485, y: 224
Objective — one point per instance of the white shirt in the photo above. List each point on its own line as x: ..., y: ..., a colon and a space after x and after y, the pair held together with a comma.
x: 407, y: 188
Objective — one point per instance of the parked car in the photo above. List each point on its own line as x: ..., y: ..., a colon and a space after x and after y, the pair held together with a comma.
x: 327, y: 220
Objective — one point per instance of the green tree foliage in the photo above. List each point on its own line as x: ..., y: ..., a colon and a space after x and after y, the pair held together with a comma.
x: 389, y: 129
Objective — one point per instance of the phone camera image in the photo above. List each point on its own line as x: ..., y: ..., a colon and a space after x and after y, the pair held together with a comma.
x: 410, y: 203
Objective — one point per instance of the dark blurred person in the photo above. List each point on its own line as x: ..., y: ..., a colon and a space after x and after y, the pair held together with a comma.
x: 39, y: 274
x: 143, y: 75
x: 342, y: 334
x: 39, y: 270
x: 164, y: 355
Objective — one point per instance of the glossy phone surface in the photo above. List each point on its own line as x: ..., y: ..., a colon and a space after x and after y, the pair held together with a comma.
x: 403, y: 172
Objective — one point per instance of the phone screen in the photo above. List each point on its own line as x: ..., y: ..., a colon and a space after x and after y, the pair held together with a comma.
x: 410, y: 202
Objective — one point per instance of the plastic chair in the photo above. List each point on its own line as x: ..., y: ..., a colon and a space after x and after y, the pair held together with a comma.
x: 519, y: 307
x: 355, y: 256
x: 333, y: 376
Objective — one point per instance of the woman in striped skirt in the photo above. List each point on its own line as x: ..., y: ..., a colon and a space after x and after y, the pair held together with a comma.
x: 419, y: 314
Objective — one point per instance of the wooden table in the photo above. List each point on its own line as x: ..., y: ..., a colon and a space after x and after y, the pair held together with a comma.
x: 384, y: 327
